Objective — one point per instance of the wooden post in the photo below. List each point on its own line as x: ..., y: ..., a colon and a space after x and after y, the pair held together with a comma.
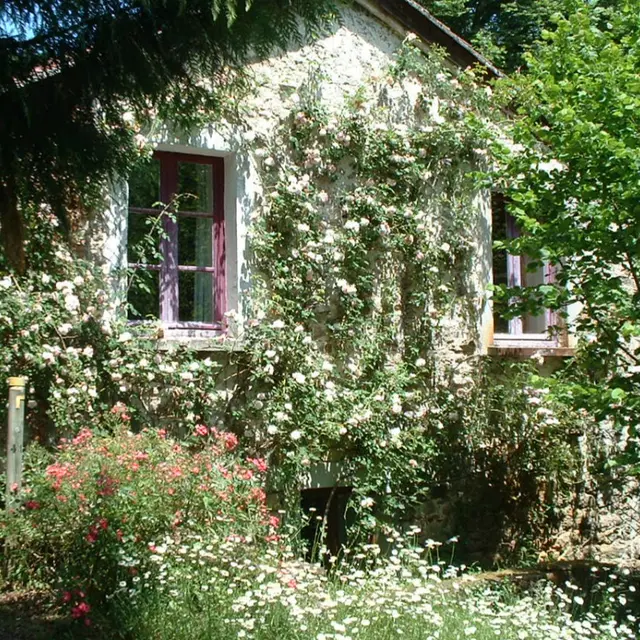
x: 15, y: 439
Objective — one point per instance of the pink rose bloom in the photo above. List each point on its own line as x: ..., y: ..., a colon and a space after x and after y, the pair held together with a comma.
x: 230, y: 440
x: 201, y: 430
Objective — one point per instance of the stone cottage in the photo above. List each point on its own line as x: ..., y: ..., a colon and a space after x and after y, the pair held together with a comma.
x: 330, y: 246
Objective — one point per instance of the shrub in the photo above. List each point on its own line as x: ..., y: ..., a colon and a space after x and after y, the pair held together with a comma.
x: 94, y: 511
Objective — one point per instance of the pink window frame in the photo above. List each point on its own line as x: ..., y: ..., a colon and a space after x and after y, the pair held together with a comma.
x: 514, y: 279
x: 170, y: 267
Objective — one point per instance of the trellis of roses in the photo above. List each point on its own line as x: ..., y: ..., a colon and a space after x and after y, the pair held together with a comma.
x: 363, y: 255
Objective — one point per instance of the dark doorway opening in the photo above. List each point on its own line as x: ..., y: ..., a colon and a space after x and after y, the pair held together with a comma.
x: 325, y: 508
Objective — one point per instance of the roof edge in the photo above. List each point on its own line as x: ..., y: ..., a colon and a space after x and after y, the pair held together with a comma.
x: 416, y: 19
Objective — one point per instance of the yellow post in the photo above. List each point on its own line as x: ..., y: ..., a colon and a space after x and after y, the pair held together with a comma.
x: 15, y: 438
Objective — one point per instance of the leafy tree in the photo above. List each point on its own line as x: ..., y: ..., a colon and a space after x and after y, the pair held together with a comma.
x: 502, y: 30
x: 575, y: 190
x: 70, y: 69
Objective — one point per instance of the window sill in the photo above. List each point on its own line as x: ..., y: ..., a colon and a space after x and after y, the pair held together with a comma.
x: 522, y: 349
x: 205, y: 344
x: 201, y: 340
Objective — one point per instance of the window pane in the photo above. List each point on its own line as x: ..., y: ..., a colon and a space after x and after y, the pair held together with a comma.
x: 195, y: 186
x: 532, y: 276
x: 143, y: 296
x: 144, y: 185
x: 500, y: 273
x: 195, y: 241
x: 195, y: 297
x: 143, y: 239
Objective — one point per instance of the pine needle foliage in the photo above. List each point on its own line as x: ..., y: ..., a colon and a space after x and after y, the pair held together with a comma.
x: 70, y: 68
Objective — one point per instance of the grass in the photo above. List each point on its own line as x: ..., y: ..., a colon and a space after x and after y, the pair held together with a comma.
x: 201, y: 591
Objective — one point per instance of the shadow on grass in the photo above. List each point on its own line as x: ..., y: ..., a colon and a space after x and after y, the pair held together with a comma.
x: 32, y: 615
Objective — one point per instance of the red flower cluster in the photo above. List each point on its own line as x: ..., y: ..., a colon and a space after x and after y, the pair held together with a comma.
x: 94, y: 529
x: 83, y: 436
x: 259, y: 463
x: 226, y: 439
x: 202, y: 430
x: 80, y: 609
x: 120, y: 409
x: 59, y: 472
x: 106, y: 485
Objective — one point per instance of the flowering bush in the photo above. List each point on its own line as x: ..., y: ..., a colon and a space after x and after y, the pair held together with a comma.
x: 62, y: 326
x: 100, y: 499
x: 357, y: 347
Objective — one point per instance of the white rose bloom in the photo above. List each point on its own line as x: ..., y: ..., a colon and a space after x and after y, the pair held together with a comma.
x: 272, y: 429
x: 421, y: 362
x: 64, y: 328
x: 329, y: 237
x: 348, y: 288
x: 296, y: 435
x: 330, y: 395
x: 277, y: 324
x: 88, y: 352
x: 78, y: 281
x: 71, y: 303
x: 64, y: 284
x: 299, y: 377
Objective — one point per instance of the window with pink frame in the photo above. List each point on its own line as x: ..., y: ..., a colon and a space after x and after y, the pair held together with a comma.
x: 183, y: 282
x: 518, y: 271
